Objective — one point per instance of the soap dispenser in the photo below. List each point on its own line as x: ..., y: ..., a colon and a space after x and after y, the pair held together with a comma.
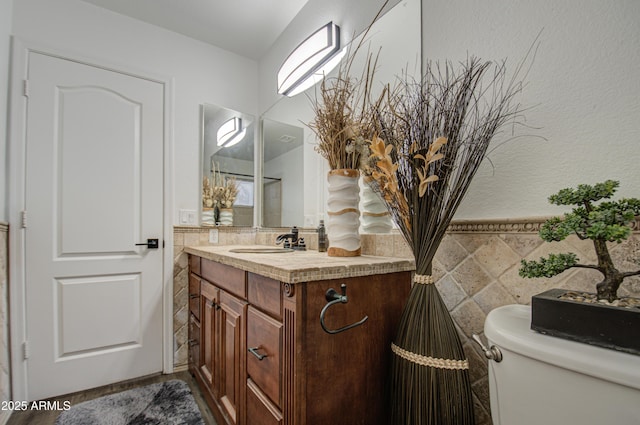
x: 323, y: 242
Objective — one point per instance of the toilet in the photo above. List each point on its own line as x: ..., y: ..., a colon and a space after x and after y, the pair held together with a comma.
x: 544, y: 380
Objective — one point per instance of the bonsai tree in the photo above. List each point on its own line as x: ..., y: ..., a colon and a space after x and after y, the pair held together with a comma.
x: 607, y: 221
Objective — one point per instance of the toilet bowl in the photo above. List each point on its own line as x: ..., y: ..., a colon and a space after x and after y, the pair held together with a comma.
x: 544, y: 380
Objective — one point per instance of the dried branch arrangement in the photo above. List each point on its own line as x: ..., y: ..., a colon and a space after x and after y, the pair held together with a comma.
x: 218, y: 191
x: 432, y: 136
x: 343, y: 111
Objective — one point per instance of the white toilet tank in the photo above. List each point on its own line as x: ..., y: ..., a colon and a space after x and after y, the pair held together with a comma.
x: 544, y: 380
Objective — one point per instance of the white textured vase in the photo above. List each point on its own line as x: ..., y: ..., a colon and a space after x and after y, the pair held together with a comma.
x: 208, y: 216
x: 226, y: 217
x: 343, y: 213
x: 375, y: 216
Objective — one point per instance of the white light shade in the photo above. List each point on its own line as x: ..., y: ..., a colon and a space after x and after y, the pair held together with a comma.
x: 310, y: 61
x: 231, y: 132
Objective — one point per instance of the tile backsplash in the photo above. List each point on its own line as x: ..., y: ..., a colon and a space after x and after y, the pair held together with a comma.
x: 476, y: 268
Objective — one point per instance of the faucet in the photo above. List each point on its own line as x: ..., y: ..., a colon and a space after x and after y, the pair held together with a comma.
x: 291, y: 240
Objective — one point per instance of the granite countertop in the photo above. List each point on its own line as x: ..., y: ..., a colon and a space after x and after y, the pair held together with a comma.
x: 301, y: 266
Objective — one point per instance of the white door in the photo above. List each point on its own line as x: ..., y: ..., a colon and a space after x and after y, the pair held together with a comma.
x: 94, y: 189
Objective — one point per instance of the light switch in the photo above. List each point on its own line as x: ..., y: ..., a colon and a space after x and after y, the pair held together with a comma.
x: 188, y: 217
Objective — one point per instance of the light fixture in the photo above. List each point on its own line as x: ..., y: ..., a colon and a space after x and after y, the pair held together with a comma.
x: 310, y: 61
x: 231, y: 132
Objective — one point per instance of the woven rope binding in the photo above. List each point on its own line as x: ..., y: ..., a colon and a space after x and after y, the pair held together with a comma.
x: 429, y: 361
x: 423, y: 279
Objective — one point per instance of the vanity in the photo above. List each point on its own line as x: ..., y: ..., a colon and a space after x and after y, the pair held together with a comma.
x: 258, y: 348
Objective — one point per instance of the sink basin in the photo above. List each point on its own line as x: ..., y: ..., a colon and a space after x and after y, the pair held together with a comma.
x: 265, y: 250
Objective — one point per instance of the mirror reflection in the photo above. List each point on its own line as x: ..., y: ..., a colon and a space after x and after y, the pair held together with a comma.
x: 227, y: 166
x: 283, y: 174
x: 397, y: 37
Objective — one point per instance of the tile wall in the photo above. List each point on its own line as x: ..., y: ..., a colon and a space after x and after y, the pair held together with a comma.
x: 476, y: 269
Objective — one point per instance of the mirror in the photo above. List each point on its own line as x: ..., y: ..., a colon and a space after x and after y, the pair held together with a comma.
x: 397, y: 35
x: 231, y: 164
x: 283, y: 174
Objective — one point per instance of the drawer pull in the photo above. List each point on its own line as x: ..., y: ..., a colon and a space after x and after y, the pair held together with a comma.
x: 193, y: 342
x: 194, y: 296
x: 254, y: 351
x: 332, y: 298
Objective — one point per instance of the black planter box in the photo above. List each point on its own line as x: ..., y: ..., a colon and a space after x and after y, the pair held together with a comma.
x: 612, y: 327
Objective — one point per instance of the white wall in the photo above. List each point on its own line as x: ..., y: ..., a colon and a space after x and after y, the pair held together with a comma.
x: 5, y: 49
x: 584, y: 88
x: 201, y: 73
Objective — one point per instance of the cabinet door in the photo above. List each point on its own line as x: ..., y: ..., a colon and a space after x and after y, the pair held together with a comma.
x: 209, y: 306
x: 232, y: 356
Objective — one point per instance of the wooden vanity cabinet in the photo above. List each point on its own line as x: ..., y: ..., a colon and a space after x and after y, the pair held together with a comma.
x: 265, y: 360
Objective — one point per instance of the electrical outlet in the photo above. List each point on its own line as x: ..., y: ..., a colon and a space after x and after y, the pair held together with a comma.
x: 213, y: 235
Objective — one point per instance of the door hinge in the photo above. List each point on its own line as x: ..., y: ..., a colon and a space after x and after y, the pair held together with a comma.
x: 25, y: 88
x: 25, y: 350
x: 24, y: 219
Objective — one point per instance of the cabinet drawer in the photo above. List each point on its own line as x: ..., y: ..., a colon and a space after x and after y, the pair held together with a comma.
x: 264, y: 361
x: 225, y: 277
x: 194, y: 343
x: 260, y: 411
x: 194, y: 295
x: 265, y: 294
x: 194, y: 264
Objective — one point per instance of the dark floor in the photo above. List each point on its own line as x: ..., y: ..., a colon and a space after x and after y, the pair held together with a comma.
x: 36, y: 417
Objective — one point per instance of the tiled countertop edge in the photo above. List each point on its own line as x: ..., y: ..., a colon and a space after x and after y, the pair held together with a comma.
x: 325, y: 268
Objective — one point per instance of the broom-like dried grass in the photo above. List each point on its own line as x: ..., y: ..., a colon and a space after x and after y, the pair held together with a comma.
x: 423, y: 179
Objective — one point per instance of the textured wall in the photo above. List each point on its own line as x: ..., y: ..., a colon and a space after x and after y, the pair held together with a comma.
x: 582, y: 93
x: 476, y: 269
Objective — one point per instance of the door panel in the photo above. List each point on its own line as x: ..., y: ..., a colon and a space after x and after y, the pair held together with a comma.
x: 94, y: 188
x: 109, y: 131
x: 114, y: 322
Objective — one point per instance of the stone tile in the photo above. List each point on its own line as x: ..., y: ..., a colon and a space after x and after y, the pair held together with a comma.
x: 522, y: 244
x: 492, y: 296
x: 450, y: 292
x: 480, y: 389
x: 178, y: 239
x: 181, y: 335
x: 450, y: 253
x: 477, y: 362
x: 180, y: 356
x: 582, y: 280
x: 181, y: 281
x: 470, y: 317
x: 470, y: 276
x: 471, y: 241
x: 191, y: 239
x: 181, y: 300
x: 400, y: 247
x: 584, y: 249
x: 481, y: 412
x: 368, y: 244
x: 522, y: 289
x: 384, y: 245
x: 496, y: 256
x: 180, y: 318
x: 437, y: 270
